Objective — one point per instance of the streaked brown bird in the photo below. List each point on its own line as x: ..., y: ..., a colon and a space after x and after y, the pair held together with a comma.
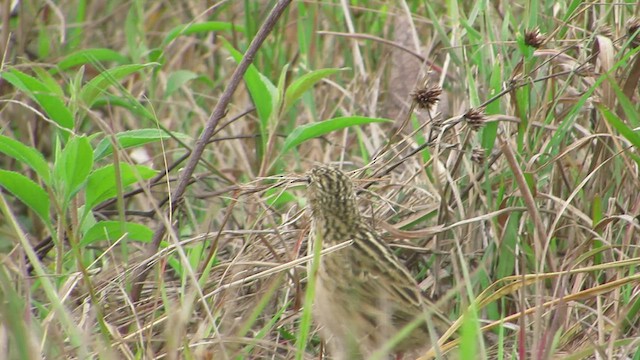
x: 364, y: 294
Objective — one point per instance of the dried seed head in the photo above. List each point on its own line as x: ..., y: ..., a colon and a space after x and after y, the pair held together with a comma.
x: 427, y: 97
x: 477, y: 156
x: 475, y: 118
x: 534, y: 38
x: 633, y: 25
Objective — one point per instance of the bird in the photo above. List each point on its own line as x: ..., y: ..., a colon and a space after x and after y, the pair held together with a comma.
x: 364, y: 295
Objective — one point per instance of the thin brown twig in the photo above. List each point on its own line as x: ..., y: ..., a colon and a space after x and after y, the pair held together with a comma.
x: 212, y: 124
x: 431, y: 64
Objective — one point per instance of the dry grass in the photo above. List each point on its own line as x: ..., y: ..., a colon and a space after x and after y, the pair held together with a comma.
x: 512, y: 194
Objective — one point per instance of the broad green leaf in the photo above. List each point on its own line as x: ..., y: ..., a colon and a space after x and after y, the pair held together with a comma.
x: 72, y: 167
x: 30, y: 193
x: 469, y: 334
x: 133, y: 138
x: 204, y: 27
x: 100, y: 83
x: 617, y: 123
x: 52, y: 104
x: 280, y: 89
x: 176, y: 79
x: 90, y: 56
x: 114, y: 230
x: 130, y: 104
x: 276, y: 197
x: 102, y: 185
x: 310, y: 131
x: 49, y: 81
x: 157, y: 55
x: 26, y: 155
x: 299, y: 86
x: 87, y: 220
x: 629, y: 107
x: 261, y: 89
x: 46, y: 41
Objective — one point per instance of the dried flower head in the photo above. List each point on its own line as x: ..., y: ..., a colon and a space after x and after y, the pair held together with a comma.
x: 475, y: 118
x: 633, y: 25
x: 427, y: 97
x: 477, y: 156
x: 534, y: 38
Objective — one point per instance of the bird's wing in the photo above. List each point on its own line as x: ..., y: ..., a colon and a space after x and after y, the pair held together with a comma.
x: 383, y: 273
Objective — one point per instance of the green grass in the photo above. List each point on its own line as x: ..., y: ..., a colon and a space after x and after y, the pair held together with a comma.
x: 520, y: 220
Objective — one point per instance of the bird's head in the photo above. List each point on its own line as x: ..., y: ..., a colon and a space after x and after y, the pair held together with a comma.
x: 330, y: 194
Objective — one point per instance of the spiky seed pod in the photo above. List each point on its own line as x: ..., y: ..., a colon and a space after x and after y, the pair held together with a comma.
x: 534, y: 38
x: 475, y: 118
x: 427, y: 97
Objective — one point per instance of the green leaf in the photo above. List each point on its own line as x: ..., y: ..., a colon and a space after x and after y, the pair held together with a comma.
x: 617, y: 123
x: 299, y: 86
x: 133, y: 138
x: 30, y: 193
x: 76, y: 34
x: 629, y: 107
x: 262, y: 91
x: 90, y: 56
x: 114, y: 230
x: 45, y: 41
x: 72, y: 167
x: 102, y: 185
x: 49, y: 81
x: 199, y: 28
x: 277, y: 198
x: 469, y: 334
x: 280, y: 89
x: 176, y: 79
x: 490, y: 131
x: 26, y: 155
x: 128, y: 103
x: 51, y: 103
x: 310, y: 131
x: 100, y: 83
